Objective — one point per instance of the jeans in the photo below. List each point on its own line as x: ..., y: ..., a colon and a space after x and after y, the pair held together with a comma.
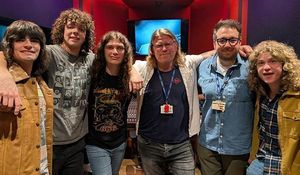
x: 256, y: 168
x: 105, y: 161
x: 158, y: 159
x: 68, y: 159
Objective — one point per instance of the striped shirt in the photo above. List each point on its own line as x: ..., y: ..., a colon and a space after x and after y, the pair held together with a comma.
x: 269, y: 149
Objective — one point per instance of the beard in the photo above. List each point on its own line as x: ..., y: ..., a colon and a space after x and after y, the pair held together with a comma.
x: 227, y: 53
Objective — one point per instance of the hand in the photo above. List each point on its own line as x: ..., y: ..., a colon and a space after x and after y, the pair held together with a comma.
x: 9, y: 96
x: 245, y: 50
x: 136, y: 81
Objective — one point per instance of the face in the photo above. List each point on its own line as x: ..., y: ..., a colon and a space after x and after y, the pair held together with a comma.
x: 26, y: 50
x: 269, y: 69
x: 74, y: 35
x: 164, y: 48
x: 227, y: 43
x: 114, y: 52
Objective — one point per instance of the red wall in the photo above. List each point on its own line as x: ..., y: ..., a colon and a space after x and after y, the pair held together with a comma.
x: 107, y: 14
x: 202, y: 14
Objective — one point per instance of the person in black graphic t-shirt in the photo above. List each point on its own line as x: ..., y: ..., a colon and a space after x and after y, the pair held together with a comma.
x: 108, y: 102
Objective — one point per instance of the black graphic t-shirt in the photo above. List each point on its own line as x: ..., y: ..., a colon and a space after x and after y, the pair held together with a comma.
x: 108, y: 105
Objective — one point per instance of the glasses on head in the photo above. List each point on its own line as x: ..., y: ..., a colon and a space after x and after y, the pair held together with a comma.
x: 271, y: 63
x: 160, y: 46
x: 232, y: 41
x: 112, y: 47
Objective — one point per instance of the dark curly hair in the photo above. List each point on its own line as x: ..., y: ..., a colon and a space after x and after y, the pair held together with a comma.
x: 99, y: 63
x: 78, y: 17
x: 20, y: 30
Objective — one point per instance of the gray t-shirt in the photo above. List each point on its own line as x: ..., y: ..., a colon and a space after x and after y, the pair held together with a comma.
x: 69, y: 77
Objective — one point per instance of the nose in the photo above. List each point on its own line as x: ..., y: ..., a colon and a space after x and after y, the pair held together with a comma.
x: 266, y: 66
x: 115, y: 50
x: 227, y: 44
x: 27, y: 43
x: 75, y: 30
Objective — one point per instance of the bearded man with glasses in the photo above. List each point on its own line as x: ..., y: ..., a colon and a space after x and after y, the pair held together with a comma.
x: 225, y: 133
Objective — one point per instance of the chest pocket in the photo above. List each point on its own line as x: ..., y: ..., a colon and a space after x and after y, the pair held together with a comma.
x: 291, y: 124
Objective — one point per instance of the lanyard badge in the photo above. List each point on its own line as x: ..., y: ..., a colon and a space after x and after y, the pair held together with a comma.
x: 166, y: 108
x: 219, y: 104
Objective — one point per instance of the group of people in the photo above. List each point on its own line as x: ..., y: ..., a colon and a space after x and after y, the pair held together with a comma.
x: 251, y: 110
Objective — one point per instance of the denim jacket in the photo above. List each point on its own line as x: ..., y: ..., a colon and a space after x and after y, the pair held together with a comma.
x: 20, y: 136
x: 227, y: 132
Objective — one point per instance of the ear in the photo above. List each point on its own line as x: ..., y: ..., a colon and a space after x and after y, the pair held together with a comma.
x: 150, y: 51
x: 215, y: 45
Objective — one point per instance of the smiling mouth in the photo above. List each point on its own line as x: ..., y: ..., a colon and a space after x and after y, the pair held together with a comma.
x: 76, y: 39
x: 28, y: 52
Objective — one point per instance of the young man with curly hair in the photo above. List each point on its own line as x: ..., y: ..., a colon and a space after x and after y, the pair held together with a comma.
x: 275, y: 77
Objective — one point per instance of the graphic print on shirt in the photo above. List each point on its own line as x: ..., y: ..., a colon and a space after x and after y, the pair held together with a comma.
x: 108, y: 115
x: 71, y: 87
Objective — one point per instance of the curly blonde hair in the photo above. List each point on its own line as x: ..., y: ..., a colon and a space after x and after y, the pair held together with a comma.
x: 290, y: 79
x: 179, y: 57
x: 78, y: 17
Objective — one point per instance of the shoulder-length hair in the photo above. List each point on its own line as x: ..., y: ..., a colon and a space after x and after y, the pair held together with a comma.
x: 290, y: 79
x: 99, y: 64
x: 78, y: 17
x: 179, y: 56
x: 20, y: 30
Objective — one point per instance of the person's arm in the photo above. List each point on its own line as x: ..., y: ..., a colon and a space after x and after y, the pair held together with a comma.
x: 9, y: 96
x: 136, y: 81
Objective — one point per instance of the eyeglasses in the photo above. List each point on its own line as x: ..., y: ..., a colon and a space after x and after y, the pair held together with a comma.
x: 271, y: 63
x: 160, y: 46
x: 112, y: 47
x: 232, y: 41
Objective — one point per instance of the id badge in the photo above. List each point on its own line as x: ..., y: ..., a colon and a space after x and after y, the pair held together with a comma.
x: 166, y: 109
x: 218, y: 105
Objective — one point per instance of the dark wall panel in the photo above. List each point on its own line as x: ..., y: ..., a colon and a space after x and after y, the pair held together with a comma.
x: 277, y: 20
x: 42, y: 12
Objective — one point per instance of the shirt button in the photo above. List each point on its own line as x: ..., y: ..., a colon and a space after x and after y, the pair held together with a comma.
x: 222, y: 124
x: 221, y: 136
x: 37, y: 124
x: 37, y: 169
x: 36, y: 103
x: 37, y: 146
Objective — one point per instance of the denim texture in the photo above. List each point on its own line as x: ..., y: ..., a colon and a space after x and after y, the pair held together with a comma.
x: 105, y: 161
x: 158, y: 159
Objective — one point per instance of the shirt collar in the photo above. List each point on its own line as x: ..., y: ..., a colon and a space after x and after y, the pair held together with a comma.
x: 214, y: 65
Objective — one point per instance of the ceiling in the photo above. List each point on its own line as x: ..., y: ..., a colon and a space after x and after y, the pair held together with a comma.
x: 157, y: 3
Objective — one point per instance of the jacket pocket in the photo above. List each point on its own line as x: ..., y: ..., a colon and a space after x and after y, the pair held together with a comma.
x: 291, y: 124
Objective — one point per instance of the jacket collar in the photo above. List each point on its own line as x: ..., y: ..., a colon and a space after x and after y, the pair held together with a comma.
x: 291, y: 92
x: 18, y: 73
